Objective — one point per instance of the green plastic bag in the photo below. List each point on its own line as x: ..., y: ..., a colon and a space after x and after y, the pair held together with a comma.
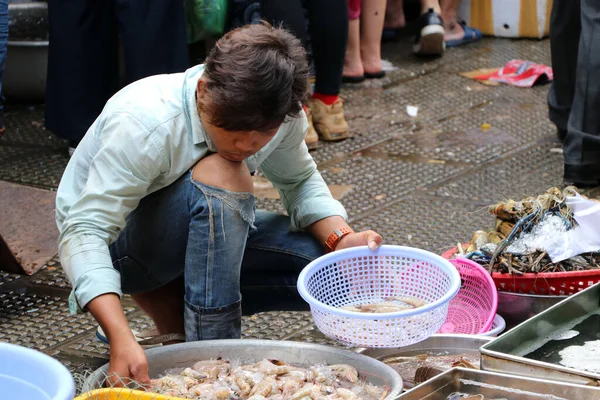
x: 205, y: 18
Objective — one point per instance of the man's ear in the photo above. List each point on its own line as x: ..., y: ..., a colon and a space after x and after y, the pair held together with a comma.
x: 200, y: 88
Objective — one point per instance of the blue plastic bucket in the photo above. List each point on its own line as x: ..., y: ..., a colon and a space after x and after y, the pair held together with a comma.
x: 27, y: 374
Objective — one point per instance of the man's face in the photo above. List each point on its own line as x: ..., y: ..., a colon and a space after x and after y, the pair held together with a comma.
x: 233, y: 145
x: 236, y: 145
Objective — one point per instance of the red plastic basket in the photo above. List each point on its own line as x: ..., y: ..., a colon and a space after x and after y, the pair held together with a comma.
x: 543, y: 283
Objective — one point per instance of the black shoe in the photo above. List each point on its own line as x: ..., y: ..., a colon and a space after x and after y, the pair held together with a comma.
x: 583, y: 176
x: 430, y: 39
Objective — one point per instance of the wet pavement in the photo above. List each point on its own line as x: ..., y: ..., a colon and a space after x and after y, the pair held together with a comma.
x: 421, y: 181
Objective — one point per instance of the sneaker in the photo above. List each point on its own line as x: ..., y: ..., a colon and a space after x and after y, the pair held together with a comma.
x: 312, y: 138
x: 430, y: 38
x: 328, y: 120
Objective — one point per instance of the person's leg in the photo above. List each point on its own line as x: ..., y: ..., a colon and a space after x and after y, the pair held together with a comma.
x: 273, y: 259
x: 289, y: 13
x: 582, y: 143
x: 456, y: 33
x: 82, y: 65
x: 371, y: 22
x: 328, y: 27
x: 196, y: 231
x: 394, y: 15
x: 565, y: 29
x: 430, y: 38
x: 427, y: 5
x: 154, y: 37
x: 353, y: 68
x: 3, y: 48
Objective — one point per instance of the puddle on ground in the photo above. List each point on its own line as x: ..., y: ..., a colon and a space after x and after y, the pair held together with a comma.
x: 577, y: 347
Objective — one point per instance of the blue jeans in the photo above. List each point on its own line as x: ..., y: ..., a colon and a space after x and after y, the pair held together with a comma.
x: 220, y: 245
x: 3, y: 48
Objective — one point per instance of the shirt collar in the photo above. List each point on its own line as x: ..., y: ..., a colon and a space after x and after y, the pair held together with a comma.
x: 190, y: 84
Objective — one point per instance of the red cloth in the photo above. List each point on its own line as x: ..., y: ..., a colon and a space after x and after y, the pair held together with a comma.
x: 353, y: 9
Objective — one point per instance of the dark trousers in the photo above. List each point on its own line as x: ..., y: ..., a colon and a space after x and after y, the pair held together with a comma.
x: 574, y: 97
x: 83, y: 59
x: 327, y: 34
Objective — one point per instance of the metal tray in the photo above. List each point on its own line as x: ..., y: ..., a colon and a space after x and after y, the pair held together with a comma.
x: 435, y: 343
x: 519, y: 307
x: 180, y: 355
x: 494, y: 385
x: 503, y: 354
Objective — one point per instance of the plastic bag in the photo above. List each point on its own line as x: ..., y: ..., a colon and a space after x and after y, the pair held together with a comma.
x: 584, y: 238
x: 520, y: 73
x: 205, y: 18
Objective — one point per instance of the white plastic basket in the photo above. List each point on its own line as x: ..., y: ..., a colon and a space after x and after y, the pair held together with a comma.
x: 360, y: 275
x: 498, y: 326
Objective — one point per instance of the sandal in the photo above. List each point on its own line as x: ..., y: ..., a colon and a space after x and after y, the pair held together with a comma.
x: 375, y: 75
x: 471, y: 35
x: 149, y: 338
x: 353, y: 79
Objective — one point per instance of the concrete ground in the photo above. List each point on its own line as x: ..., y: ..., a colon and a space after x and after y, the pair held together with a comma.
x: 422, y: 181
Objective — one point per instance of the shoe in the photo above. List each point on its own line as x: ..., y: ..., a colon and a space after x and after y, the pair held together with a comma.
x: 375, y: 75
x: 353, y: 79
x: 312, y: 138
x: 471, y: 35
x: 328, y: 120
x: 430, y: 38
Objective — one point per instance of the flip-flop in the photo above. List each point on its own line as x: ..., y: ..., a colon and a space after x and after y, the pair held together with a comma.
x: 374, y: 75
x: 471, y: 35
x: 149, y: 338
x: 353, y: 79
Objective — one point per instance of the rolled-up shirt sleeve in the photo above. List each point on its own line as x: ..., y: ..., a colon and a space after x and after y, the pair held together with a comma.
x: 128, y: 159
x: 294, y: 173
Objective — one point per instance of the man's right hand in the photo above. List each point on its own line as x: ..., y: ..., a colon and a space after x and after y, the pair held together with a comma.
x: 127, y: 359
x: 127, y: 362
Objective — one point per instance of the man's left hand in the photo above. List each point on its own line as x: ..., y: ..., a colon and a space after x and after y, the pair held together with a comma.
x: 364, y: 238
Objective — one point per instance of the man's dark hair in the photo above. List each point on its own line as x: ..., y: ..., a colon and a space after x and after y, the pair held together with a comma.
x: 255, y: 76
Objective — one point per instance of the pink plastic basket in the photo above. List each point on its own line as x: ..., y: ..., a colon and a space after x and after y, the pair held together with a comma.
x: 473, y: 309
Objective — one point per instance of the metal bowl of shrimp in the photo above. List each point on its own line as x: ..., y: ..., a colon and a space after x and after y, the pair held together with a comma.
x: 262, y: 369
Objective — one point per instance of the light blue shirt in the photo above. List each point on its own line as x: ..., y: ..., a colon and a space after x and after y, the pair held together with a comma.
x: 148, y: 135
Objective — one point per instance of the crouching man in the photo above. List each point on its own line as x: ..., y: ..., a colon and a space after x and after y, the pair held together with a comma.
x: 157, y: 200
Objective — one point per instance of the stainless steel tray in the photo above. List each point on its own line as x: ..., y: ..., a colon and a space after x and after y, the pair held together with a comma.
x: 454, y: 343
x: 518, y: 307
x: 504, y: 354
x: 495, y: 385
x: 161, y: 359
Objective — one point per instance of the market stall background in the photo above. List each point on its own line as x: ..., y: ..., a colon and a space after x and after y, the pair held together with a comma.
x: 423, y: 181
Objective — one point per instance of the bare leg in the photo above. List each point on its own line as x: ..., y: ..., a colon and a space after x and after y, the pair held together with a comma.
x: 394, y: 14
x: 427, y: 4
x: 352, y: 62
x: 165, y: 306
x: 371, y: 20
x: 453, y: 30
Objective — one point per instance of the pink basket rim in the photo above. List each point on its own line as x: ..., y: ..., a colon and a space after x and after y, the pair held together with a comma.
x: 489, y: 322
